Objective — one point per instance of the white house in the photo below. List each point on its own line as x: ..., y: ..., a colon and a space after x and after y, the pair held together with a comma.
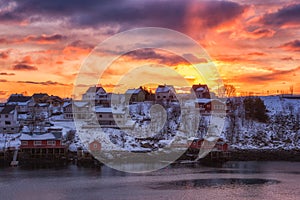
x: 68, y: 111
x: 8, y: 119
x: 109, y: 117
x: 81, y: 109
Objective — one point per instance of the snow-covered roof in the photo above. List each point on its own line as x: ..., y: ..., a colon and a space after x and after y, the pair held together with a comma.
x: 22, y: 103
x: 22, y: 116
x: 66, y: 104
x: 200, y: 89
x: 95, y: 89
x: 99, y: 109
x: 164, y: 88
x: 43, y: 104
x: 202, y: 100
x: 133, y: 91
x: 46, y: 136
x: 80, y: 103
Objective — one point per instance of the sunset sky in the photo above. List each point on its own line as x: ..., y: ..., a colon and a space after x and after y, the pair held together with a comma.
x: 255, y: 45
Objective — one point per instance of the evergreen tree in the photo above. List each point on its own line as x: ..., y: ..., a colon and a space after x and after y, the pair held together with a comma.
x: 255, y: 109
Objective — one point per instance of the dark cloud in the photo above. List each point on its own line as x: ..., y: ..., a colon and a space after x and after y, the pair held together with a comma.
x: 6, y: 74
x: 289, y: 15
x: 291, y: 46
x: 81, y: 44
x: 42, y: 83
x: 46, y: 38
x: 129, y: 13
x: 155, y: 56
x: 3, y: 80
x: 193, y: 59
x: 215, y: 13
x: 24, y: 67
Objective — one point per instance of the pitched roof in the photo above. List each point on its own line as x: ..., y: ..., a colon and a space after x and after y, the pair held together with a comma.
x: 80, y: 103
x: 164, y: 88
x: 8, y: 109
x: 66, y: 104
x: 95, y: 89
x: 200, y: 87
x: 133, y: 91
x: 46, y: 136
x: 39, y: 95
x: 18, y: 98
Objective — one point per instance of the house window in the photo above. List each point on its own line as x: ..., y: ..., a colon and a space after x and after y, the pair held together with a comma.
x: 95, y: 146
x: 51, y: 142
x: 164, y: 97
x: 6, y: 116
x: 37, y: 143
x: 158, y: 97
x: 100, y: 116
x: 7, y: 123
x: 24, y: 143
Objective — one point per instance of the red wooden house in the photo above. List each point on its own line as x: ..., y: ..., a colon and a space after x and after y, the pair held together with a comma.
x: 47, y: 140
x: 48, y: 145
x: 219, y: 145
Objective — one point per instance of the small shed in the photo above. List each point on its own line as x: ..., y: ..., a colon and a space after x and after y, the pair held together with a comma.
x: 95, y: 146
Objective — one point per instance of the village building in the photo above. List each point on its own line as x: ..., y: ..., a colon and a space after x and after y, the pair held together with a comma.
x: 38, y: 111
x: 135, y: 95
x: 8, y: 119
x: 42, y: 146
x: 201, y: 91
x: 95, y: 147
x: 110, y: 118
x: 20, y: 101
x: 55, y: 105
x: 165, y: 93
x: 40, y: 97
x: 81, y: 109
x: 206, y: 106
x: 98, y: 95
x: 68, y: 111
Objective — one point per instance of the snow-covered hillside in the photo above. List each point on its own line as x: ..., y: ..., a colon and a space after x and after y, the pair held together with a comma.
x: 281, y: 131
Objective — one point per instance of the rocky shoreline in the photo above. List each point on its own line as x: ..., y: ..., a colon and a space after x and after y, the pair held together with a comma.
x: 265, y: 155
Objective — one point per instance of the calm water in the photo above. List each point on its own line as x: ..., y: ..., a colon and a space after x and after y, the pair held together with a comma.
x: 236, y: 180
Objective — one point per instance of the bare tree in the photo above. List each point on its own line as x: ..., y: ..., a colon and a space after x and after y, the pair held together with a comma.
x: 229, y: 90
x: 292, y: 89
